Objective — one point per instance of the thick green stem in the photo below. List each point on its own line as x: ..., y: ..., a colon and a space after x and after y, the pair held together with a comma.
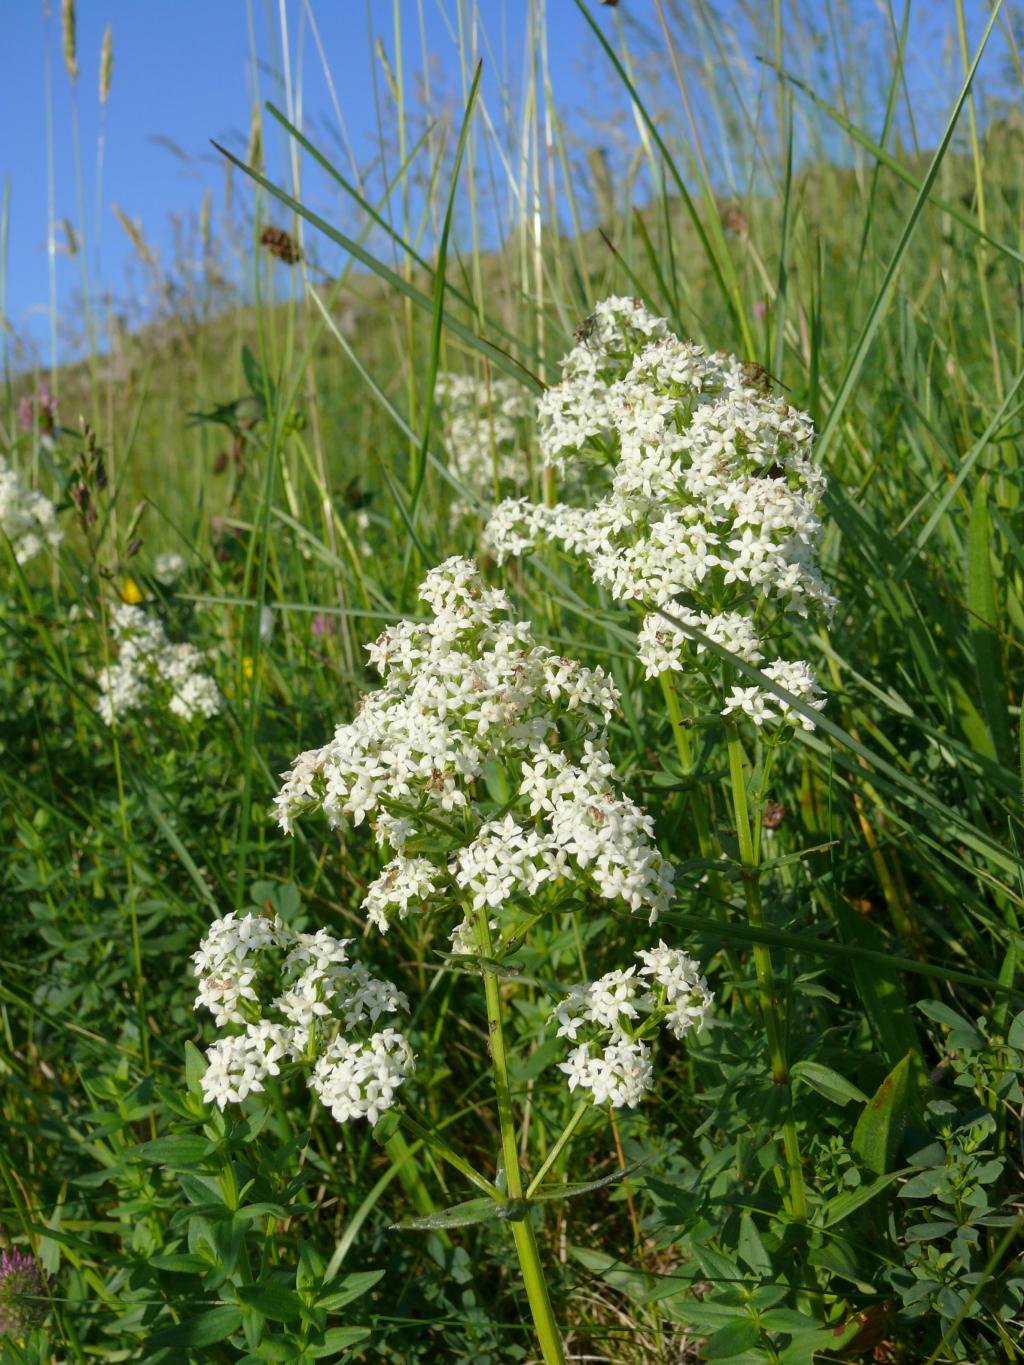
x: 522, y: 1229
x: 766, y: 975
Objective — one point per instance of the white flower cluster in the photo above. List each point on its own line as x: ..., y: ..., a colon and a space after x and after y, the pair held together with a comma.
x: 482, y: 421
x: 151, y: 670
x: 316, y: 991
x: 27, y: 519
x: 359, y: 1080
x: 617, y: 1011
x: 168, y: 567
x: 464, y: 694
x: 709, y: 509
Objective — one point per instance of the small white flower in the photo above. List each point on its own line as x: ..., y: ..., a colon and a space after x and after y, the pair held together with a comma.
x: 360, y: 1080
x: 168, y: 568
x: 228, y: 962
x: 238, y: 1066
x: 324, y: 992
x: 620, y: 1075
x: 27, y: 518
x: 706, y: 495
x: 150, y: 669
x: 686, y: 991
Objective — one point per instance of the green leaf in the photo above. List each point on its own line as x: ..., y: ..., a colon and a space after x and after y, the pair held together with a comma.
x: 787, y: 1320
x: 620, y: 1276
x: 203, y: 1330
x: 273, y: 1348
x: 353, y: 1286
x: 177, y: 1149
x: 838, y: 1258
x: 750, y: 1247
x: 926, y: 1184
x: 809, y: 1347
x: 386, y: 1127
x: 554, y: 1193
x: 731, y: 1340
x: 338, y: 1339
x: 720, y: 1269
x: 271, y: 1298
x: 195, y: 1068
x: 254, y: 375
x: 248, y: 1213
x: 881, y: 1124
x: 962, y: 1034
x: 457, y: 1216
x: 201, y: 1189
x: 842, y: 1205
x: 828, y: 1083
x: 183, y: 1262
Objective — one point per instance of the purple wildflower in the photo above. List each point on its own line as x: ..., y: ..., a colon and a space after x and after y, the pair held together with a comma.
x: 41, y: 408
x: 24, y: 1292
x: 324, y: 625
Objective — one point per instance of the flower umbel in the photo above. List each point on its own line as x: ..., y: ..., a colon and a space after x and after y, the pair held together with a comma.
x: 617, y: 1014
x: 27, y: 518
x: 480, y: 767
x: 288, y: 996
x: 152, y: 671
x: 709, y: 508
x: 465, y: 693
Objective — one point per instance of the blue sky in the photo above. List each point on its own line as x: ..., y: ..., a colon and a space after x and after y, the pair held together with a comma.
x: 184, y: 73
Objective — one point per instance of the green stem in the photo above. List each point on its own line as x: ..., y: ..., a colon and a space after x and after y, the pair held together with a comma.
x: 558, y: 1148
x: 522, y: 1230
x: 684, y: 748
x: 436, y: 1144
x: 707, y: 840
x: 765, y: 974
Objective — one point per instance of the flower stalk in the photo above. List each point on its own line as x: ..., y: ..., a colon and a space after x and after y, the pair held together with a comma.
x: 523, y: 1234
x: 764, y: 968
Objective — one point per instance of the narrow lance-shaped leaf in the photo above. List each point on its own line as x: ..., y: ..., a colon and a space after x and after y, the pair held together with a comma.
x: 456, y: 1216
x: 984, y: 627
x: 437, y: 313
x: 495, y: 354
x: 878, y: 307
